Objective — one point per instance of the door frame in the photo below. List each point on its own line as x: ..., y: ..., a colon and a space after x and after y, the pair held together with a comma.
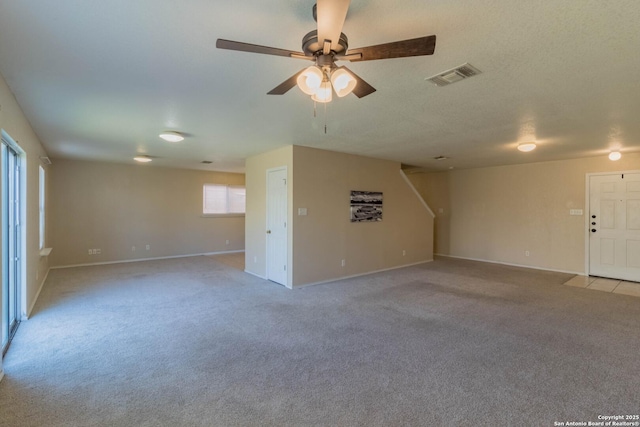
x: 22, y: 236
x: 289, y: 225
x: 587, y: 252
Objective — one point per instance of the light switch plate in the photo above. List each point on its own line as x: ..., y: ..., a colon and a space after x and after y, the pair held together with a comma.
x: 575, y: 212
x: 302, y: 211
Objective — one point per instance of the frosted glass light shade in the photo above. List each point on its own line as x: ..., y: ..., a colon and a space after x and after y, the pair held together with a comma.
x: 171, y: 136
x: 310, y: 80
x: 323, y: 93
x: 142, y: 159
x: 615, y: 155
x: 343, y: 82
x: 527, y: 146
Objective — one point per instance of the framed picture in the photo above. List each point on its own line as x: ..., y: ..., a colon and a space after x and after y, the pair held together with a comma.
x: 366, y: 206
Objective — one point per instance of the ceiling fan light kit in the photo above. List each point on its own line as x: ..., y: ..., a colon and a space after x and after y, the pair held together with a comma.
x: 615, y: 155
x: 325, y: 46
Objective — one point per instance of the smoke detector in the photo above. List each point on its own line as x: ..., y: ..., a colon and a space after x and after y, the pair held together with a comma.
x: 453, y: 75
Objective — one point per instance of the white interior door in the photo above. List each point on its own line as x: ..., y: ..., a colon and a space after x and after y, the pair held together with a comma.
x: 614, y: 226
x: 277, y: 225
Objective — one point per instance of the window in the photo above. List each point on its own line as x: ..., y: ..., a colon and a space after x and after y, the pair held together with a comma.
x: 223, y: 199
x: 41, y: 203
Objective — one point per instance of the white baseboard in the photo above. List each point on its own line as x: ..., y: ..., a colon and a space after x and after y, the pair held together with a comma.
x: 581, y: 273
x: 256, y: 275
x: 26, y: 315
x: 145, y: 259
x: 304, y: 285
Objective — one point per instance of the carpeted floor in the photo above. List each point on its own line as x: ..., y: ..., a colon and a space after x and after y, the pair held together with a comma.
x: 197, y: 342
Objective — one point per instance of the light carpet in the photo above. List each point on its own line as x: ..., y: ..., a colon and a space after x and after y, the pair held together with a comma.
x: 196, y: 342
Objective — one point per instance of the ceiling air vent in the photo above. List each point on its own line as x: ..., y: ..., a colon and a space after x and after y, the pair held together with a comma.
x: 462, y: 72
x: 45, y: 160
x: 206, y: 162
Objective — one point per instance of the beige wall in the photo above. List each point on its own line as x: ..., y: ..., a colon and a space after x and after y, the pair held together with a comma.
x: 113, y: 207
x: 256, y: 168
x: 498, y: 213
x: 321, y: 181
x: 14, y: 122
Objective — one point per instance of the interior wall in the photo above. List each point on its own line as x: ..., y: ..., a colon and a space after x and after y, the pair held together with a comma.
x: 14, y: 122
x: 116, y: 207
x: 256, y: 168
x: 498, y: 213
x: 322, y: 183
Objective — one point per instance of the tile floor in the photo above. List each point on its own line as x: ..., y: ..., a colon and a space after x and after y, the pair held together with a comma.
x: 606, y: 285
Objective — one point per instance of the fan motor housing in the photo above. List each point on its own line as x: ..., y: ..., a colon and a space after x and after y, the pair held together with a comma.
x: 311, y: 46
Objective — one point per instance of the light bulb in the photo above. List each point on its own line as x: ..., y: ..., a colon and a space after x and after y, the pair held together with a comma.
x: 310, y: 80
x: 615, y: 155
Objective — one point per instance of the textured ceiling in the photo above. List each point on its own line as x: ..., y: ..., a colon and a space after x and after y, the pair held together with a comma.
x: 100, y: 80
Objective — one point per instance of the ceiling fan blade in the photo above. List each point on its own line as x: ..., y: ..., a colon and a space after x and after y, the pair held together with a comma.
x: 400, y: 49
x: 254, y: 48
x: 286, y: 85
x: 362, y: 88
x: 330, y: 15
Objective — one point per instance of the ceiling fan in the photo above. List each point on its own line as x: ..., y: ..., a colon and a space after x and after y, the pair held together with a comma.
x: 325, y: 46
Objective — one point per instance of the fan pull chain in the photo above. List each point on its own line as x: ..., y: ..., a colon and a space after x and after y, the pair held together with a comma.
x: 325, y: 118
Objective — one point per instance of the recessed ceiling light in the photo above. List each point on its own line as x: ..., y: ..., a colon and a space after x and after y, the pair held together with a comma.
x: 615, y: 155
x: 171, y: 136
x: 142, y: 159
x: 527, y: 146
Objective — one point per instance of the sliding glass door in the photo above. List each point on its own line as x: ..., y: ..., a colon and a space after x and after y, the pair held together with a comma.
x: 11, y: 251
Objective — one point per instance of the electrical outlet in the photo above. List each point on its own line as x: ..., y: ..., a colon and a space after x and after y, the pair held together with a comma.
x: 526, y: 253
x: 227, y: 242
x: 148, y: 247
x: 344, y: 262
x: 404, y: 253
x: 90, y: 251
x: 133, y: 248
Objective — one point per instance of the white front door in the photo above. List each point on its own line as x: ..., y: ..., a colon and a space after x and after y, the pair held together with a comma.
x: 277, y: 225
x: 614, y: 226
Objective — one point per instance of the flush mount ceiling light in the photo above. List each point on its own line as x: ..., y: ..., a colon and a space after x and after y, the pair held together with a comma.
x: 171, y: 136
x: 615, y: 155
x: 527, y: 146
x: 142, y: 159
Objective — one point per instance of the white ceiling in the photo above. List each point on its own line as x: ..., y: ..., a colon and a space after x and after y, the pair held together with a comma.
x: 100, y: 79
